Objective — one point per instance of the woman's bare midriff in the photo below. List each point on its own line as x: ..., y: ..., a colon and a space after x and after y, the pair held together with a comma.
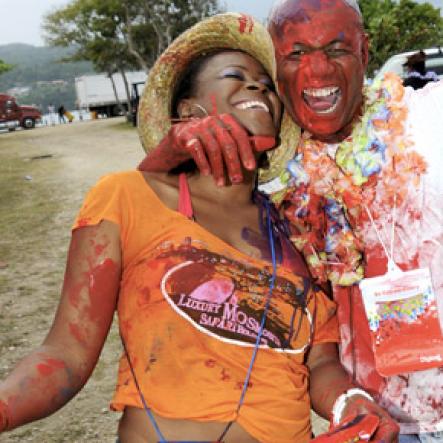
x: 135, y: 427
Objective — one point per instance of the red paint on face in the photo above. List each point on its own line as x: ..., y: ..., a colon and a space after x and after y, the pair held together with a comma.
x: 321, y: 55
x: 243, y: 21
x: 213, y: 100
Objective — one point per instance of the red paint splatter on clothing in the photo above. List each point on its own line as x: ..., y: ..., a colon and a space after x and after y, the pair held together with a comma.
x: 224, y: 375
x: 240, y: 384
x: 83, y: 222
x: 144, y: 297
x: 210, y: 363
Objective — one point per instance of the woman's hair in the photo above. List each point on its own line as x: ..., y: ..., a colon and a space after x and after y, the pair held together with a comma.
x: 187, y: 83
x: 186, y: 88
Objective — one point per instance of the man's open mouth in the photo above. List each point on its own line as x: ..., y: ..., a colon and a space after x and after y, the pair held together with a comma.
x: 322, y: 100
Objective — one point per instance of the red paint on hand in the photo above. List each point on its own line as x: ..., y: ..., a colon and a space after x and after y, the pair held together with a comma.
x: 262, y: 142
x: 353, y: 428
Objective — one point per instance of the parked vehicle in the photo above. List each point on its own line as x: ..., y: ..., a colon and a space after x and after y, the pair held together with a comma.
x: 434, y: 62
x: 95, y: 93
x: 137, y: 90
x: 13, y: 115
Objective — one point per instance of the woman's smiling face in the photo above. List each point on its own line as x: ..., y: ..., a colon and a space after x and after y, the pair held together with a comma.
x: 233, y: 82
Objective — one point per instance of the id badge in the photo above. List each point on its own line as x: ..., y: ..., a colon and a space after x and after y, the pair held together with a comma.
x: 402, y: 312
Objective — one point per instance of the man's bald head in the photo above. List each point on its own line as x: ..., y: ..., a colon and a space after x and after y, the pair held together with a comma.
x: 301, y: 10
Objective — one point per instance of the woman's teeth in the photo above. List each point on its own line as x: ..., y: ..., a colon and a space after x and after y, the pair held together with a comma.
x: 253, y: 104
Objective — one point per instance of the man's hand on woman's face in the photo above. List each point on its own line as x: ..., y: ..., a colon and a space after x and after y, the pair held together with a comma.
x: 216, y: 143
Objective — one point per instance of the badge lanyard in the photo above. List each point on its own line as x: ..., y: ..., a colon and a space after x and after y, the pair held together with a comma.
x: 402, y: 315
x: 148, y: 411
x: 392, y: 267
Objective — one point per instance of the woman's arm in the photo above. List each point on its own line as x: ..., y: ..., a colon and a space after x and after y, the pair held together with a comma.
x: 53, y: 373
x: 328, y: 380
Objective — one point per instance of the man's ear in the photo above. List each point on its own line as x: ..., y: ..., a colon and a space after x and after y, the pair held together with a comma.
x: 365, y: 49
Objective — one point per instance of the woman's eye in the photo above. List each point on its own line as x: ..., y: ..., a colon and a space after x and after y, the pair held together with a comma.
x: 233, y: 74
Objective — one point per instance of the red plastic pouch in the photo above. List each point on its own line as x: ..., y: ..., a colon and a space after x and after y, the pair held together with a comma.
x: 403, y: 318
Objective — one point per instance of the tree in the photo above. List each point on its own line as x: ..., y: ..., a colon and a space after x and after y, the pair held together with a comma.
x: 151, y: 25
x: 4, y: 67
x: 118, y: 35
x: 395, y: 27
x: 137, y: 31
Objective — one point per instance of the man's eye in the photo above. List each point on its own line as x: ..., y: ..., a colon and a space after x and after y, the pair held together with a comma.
x: 298, y: 52
x: 336, y: 52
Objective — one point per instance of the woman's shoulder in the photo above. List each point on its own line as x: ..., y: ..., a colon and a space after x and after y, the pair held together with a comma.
x: 120, y: 178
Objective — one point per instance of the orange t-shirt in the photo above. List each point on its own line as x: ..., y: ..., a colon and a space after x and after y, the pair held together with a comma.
x: 189, y: 310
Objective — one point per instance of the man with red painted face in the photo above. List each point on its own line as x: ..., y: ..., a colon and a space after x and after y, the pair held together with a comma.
x: 363, y: 188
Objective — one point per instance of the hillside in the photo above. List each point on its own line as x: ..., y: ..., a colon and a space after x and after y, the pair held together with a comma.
x: 35, y: 65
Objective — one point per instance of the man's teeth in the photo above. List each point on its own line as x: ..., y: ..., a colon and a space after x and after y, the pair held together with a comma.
x: 253, y: 104
x: 330, y: 110
x: 321, y: 92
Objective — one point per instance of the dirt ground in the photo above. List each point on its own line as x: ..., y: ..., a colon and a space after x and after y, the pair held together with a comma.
x: 44, y: 175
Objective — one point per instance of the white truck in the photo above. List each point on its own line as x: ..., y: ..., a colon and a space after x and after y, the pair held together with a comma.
x: 95, y: 93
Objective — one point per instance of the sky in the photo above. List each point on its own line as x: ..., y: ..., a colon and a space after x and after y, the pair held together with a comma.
x: 21, y: 19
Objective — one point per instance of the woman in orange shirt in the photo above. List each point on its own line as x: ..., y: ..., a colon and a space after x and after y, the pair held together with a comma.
x: 225, y: 337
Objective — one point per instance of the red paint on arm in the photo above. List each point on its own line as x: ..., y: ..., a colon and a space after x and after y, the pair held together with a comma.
x: 101, y: 284
x: 77, y: 333
x: 4, y: 416
x: 49, y: 366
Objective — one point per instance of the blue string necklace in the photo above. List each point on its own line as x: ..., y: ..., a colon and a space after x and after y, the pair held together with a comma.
x: 162, y: 439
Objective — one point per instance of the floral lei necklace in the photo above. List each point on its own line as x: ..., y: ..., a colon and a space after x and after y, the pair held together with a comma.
x: 328, y: 186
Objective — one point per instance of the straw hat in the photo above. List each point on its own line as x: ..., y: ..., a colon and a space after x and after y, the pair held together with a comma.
x: 230, y: 31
